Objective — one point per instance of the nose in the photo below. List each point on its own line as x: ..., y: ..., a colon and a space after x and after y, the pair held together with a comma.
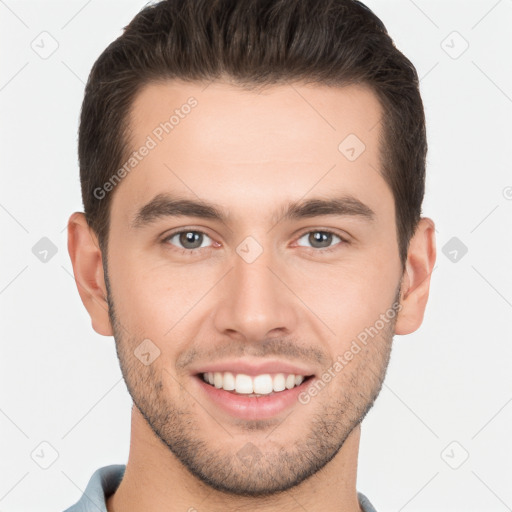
x: 255, y: 303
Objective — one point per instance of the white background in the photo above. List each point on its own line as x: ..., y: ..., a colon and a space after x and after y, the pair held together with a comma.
x: 450, y: 381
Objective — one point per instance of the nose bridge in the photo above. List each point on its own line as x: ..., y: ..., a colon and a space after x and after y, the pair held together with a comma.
x: 254, y: 282
x: 254, y: 302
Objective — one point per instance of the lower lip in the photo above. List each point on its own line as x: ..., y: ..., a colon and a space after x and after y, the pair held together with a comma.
x: 252, y: 407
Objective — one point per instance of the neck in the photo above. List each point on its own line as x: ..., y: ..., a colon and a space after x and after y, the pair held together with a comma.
x: 156, y: 480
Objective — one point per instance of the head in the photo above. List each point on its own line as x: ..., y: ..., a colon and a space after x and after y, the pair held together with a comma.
x: 274, y: 215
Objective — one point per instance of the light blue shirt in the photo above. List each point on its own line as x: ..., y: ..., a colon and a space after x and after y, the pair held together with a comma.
x: 104, y: 482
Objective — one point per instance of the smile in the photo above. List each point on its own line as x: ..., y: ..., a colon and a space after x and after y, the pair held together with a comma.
x: 255, y: 397
x: 257, y: 385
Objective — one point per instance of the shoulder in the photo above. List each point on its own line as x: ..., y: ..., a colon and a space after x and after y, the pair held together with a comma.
x: 103, y: 483
x: 365, y: 504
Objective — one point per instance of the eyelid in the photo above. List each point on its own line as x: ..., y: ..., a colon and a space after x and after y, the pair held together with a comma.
x: 344, y: 239
x: 325, y: 250
x: 165, y: 239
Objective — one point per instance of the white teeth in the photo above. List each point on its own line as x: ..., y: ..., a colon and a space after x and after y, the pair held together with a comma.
x: 279, y: 382
x: 243, y: 384
x: 260, y: 384
x: 229, y: 381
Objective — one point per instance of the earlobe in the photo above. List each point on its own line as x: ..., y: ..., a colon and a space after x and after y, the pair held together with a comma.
x: 87, y: 264
x: 420, y: 262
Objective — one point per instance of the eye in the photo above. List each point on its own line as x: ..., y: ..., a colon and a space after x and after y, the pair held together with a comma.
x: 320, y: 239
x: 188, y: 239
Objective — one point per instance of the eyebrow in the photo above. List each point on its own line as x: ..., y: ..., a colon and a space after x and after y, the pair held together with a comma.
x: 166, y: 205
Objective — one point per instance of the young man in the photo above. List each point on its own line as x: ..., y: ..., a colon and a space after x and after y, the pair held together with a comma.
x: 252, y: 175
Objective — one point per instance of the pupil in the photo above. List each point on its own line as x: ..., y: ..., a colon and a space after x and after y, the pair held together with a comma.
x: 320, y: 237
x: 191, y: 240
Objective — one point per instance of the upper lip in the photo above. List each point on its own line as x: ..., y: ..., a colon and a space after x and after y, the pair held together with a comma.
x: 254, y: 367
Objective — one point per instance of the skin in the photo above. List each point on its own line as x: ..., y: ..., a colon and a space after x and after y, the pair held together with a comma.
x: 250, y: 153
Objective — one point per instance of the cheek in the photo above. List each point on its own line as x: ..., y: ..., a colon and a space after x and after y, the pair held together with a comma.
x: 151, y: 297
x: 158, y: 299
x: 347, y: 299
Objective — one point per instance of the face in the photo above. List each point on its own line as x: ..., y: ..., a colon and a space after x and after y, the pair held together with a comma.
x: 255, y: 246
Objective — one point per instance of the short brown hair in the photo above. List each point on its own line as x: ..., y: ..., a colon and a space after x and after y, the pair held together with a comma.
x: 255, y: 43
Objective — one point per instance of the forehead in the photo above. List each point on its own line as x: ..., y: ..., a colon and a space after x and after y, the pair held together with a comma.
x: 249, y: 148
x: 281, y: 116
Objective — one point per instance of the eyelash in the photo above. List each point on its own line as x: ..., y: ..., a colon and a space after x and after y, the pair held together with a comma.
x: 194, y: 252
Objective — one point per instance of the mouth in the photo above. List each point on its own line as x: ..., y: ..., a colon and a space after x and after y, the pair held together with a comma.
x: 252, y: 397
x: 253, y: 386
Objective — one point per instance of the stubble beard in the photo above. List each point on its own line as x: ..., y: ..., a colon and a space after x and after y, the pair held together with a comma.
x: 253, y: 469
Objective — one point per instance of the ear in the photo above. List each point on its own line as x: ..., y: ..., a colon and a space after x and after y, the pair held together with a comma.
x: 421, y: 257
x: 86, y: 258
